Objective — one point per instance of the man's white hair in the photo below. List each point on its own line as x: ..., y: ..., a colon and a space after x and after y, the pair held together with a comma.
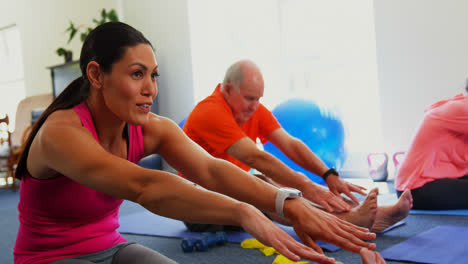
x: 234, y: 75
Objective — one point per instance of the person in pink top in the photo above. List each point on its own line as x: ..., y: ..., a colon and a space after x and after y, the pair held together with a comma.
x: 436, y: 165
x: 79, y: 164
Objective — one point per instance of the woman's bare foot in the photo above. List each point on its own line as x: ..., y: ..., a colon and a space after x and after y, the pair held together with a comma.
x: 391, y: 214
x: 364, y: 214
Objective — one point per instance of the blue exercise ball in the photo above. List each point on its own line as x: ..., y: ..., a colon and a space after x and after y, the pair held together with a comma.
x: 182, y: 123
x: 319, y: 128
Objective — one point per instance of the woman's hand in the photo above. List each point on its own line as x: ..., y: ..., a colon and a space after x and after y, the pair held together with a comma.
x: 371, y: 257
x: 311, y: 224
x: 268, y: 233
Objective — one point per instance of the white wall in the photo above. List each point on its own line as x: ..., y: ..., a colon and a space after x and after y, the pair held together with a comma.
x: 165, y: 24
x: 231, y: 31
x: 41, y: 25
x: 8, y: 12
x: 422, y: 53
x: 329, y: 57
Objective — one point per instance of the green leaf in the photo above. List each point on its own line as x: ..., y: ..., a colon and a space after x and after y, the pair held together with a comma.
x: 60, y: 51
x: 70, y: 27
x: 83, y: 36
x: 112, y: 15
x: 72, y: 34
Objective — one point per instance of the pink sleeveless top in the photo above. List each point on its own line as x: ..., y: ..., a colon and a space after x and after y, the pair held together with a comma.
x: 60, y: 218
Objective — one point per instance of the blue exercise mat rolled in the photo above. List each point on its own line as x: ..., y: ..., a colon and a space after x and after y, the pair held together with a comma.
x: 441, y: 244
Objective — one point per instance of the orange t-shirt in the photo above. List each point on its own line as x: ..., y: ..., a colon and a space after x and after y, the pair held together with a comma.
x: 211, y: 125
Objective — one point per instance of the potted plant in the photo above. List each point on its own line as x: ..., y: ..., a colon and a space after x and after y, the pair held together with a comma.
x: 106, y: 16
x: 67, y: 54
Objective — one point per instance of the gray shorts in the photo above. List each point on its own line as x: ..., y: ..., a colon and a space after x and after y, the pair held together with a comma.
x: 121, y: 253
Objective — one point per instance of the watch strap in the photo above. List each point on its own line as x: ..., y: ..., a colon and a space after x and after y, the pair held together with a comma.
x: 329, y: 172
x: 282, y: 195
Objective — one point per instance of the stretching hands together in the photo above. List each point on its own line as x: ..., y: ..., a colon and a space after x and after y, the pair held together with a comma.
x: 330, y: 198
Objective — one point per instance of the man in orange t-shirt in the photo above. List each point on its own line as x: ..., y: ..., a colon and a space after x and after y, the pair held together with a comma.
x: 214, y: 128
x: 227, y: 124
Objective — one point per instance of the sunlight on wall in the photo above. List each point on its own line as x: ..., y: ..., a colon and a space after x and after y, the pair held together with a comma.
x: 317, y: 50
x: 330, y: 56
x: 223, y: 32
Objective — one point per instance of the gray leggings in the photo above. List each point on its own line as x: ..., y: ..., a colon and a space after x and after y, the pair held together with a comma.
x: 122, y: 253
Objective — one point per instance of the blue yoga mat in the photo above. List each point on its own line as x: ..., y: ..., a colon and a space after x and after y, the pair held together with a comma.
x: 441, y: 212
x: 441, y: 244
x: 147, y: 223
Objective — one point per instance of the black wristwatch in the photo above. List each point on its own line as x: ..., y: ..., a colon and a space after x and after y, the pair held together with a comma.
x: 328, y: 172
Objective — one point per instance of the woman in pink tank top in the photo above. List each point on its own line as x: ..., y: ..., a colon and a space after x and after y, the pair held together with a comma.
x: 79, y: 163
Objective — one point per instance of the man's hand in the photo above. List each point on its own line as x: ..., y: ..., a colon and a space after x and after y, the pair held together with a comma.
x: 320, y: 195
x: 339, y: 186
x: 311, y: 224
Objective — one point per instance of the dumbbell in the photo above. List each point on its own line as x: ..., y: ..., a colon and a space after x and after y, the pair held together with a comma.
x: 209, y: 239
x: 187, y: 244
x: 202, y: 243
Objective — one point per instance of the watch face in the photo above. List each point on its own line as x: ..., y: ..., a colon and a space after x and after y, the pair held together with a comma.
x: 292, y: 192
x: 284, y: 194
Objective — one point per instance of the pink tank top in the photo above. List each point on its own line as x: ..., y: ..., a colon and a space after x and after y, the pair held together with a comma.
x: 60, y: 218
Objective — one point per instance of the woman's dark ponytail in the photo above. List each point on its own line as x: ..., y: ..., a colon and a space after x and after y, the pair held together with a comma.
x: 76, y: 92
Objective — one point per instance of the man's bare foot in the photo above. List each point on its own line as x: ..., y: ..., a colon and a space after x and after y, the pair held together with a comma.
x: 364, y: 214
x: 371, y: 257
x: 391, y: 214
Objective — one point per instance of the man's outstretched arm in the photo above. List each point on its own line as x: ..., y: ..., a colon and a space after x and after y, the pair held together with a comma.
x: 246, y: 151
x: 301, y: 154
